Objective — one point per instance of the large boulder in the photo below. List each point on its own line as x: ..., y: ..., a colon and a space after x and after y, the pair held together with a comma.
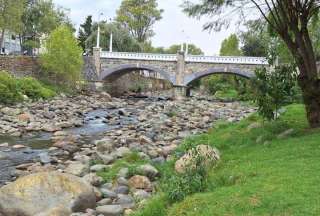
x: 207, y: 154
x: 46, y: 194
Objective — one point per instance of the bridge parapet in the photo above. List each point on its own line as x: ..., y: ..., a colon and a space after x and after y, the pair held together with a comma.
x: 188, y: 58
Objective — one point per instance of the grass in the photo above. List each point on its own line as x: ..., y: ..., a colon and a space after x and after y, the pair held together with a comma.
x: 259, y: 173
x: 130, y: 161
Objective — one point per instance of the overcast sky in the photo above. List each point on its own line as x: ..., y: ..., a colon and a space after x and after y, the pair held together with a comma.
x: 174, y: 28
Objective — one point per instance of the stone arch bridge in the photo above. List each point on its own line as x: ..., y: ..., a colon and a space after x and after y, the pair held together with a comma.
x: 179, y: 69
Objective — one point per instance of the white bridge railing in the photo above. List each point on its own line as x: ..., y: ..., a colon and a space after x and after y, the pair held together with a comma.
x: 189, y: 58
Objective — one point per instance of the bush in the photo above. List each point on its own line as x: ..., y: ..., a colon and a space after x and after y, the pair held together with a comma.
x: 63, y: 59
x: 274, y: 89
x: 13, y: 89
x: 8, y: 89
x: 34, y: 89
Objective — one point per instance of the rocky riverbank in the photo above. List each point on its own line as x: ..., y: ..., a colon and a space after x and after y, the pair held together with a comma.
x: 154, y: 132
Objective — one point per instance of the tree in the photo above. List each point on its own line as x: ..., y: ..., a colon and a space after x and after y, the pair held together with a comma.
x: 40, y: 17
x: 192, y: 49
x: 255, y: 39
x: 10, y: 17
x: 291, y: 20
x: 85, y: 31
x: 230, y: 46
x: 273, y: 90
x: 62, y: 60
x: 122, y: 39
x: 139, y: 16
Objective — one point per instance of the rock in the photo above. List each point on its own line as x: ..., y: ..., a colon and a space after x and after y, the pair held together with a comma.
x: 108, y: 193
x: 107, y: 159
x: 77, y: 168
x: 254, y: 125
x: 123, y: 172
x: 45, y: 158
x: 141, y: 195
x: 47, y: 193
x: 122, y: 151
x: 105, y: 145
x: 98, y: 168
x: 93, y: 179
x: 110, y: 210
x: 125, y: 201
x: 122, y: 189
x: 105, y: 201
x: 4, y: 145
x: 122, y: 181
x: 3, y: 156
x: 207, y: 153
x: 19, y: 146
x: 24, y: 117
x: 285, y: 134
x: 148, y: 170
x: 140, y: 182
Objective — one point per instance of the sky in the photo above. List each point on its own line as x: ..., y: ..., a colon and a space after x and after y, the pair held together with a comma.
x: 174, y: 28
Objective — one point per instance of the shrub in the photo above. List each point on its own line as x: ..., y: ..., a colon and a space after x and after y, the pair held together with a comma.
x: 34, y: 89
x: 8, y: 89
x: 63, y: 59
x: 193, y: 180
x: 274, y: 89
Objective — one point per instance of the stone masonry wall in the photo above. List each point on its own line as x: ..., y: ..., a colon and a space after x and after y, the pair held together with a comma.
x: 20, y: 65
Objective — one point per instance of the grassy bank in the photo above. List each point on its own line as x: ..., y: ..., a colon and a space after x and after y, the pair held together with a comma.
x: 269, y: 168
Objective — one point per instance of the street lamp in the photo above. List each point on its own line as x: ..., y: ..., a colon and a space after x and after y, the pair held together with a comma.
x: 98, y: 34
x: 181, y: 48
x: 111, y: 37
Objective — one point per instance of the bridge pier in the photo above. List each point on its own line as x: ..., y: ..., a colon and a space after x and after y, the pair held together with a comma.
x: 97, y: 59
x: 179, y: 92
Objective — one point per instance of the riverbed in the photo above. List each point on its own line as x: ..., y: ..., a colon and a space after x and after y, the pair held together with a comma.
x: 154, y: 126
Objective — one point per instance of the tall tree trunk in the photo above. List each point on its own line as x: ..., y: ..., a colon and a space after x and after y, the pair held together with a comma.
x: 311, y: 96
x: 2, y: 40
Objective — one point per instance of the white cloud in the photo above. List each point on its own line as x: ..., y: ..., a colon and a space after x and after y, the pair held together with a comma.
x: 168, y: 30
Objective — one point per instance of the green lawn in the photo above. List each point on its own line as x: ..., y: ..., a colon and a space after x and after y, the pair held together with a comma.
x: 259, y: 173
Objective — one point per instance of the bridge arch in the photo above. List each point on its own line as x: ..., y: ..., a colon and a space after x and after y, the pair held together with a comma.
x: 127, y: 68
x: 232, y: 71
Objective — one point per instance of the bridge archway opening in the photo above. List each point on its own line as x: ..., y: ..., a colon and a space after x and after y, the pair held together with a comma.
x: 222, y: 84
x: 135, y: 78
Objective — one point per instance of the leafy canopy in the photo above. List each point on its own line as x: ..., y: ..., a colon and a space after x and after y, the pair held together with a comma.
x: 230, y: 46
x: 63, y: 57
x: 139, y: 16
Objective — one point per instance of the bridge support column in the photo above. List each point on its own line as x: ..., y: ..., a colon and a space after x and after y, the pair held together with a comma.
x: 179, y: 92
x: 96, y: 59
x: 180, y: 69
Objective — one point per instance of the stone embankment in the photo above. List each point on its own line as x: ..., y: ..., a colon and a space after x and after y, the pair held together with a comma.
x: 157, y: 130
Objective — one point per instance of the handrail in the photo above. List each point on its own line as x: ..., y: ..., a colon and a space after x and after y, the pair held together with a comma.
x: 188, y: 58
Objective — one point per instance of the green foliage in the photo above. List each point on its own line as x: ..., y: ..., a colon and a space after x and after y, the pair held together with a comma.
x: 62, y: 60
x: 230, y: 46
x: 227, y: 86
x: 41, y: 17
x: 85, y: 32
x: 139, y: 16
x: 8, y: 89
x: 274, y: 89
x: 34, y: 89
x: 10, y: 14
x: 130, y: 161
x: 122, y: 39
x: 12, y: 89
x: 193, y: 180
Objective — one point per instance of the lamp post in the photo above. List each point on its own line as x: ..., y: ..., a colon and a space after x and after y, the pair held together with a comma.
x: 111, y: 38
x: 98, y: 34
x: 182, y: 45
